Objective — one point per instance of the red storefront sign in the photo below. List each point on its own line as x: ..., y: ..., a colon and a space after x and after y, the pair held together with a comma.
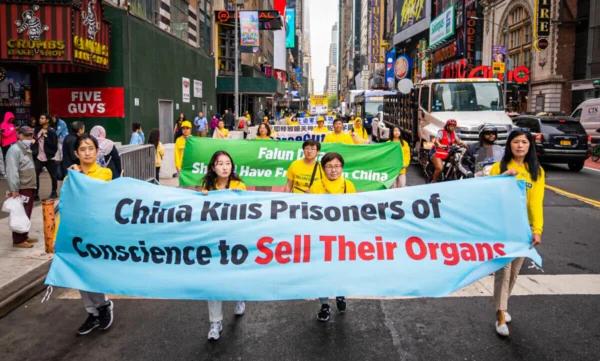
x: 35, y: 32
x: 87, y: 102
x: 458, y: 70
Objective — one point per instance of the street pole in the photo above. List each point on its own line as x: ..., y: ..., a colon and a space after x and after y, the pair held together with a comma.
x: 236, y: 73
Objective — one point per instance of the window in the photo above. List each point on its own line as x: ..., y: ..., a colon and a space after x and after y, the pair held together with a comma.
x: 179, y: 18
x: 476, y: 96
x: 425, y: 98
x: 145, y: 9
x: 530, y: 124
x: 226, y: 50
x: 539, y: 103
x: 517, y: 37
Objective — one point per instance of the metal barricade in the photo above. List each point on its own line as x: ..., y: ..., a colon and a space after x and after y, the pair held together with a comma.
x: 137, y: 161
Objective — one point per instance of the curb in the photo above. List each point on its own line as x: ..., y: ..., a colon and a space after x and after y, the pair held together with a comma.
x: 22, y: 289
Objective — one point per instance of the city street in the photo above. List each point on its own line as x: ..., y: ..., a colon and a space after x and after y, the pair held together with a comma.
x: 548, y: 325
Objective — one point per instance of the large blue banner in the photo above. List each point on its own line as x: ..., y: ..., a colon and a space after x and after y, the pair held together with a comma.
x: 135, y: 238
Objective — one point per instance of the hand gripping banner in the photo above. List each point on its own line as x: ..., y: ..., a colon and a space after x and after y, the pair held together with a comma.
x: 134, y: 238
x: 265, y: 162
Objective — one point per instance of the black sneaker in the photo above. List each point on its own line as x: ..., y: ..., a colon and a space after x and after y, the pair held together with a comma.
x: 53, y: 195
x: 340, y: 302
x: 106, y: 315
x: 324, y: 313
x: 91, y: 322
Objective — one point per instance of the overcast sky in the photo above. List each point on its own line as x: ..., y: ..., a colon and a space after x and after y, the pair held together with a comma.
x: 323, y: 14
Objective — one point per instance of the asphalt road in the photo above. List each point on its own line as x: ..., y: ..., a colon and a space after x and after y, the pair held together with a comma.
x: 544, y: 327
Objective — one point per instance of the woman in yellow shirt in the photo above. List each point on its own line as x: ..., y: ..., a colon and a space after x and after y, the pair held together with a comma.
x: 186, y: 132
x: 221, y: 132
x: 359, y: 133
x: 159, y: 151
x: 97, y: 305
x: 519, y: 160
x: 397, y: 138
x: 334, y: 182
x: 221, y: 175
x: 263, y: 132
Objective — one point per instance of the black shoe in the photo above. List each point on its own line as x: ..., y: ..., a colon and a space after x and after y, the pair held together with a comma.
x: 91, y: 322
x: 106, y: 315
x: 340, y: 302
x: 53, y: 195
x: 324, y: 313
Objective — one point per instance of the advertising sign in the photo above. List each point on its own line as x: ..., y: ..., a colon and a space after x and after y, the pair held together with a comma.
x: 197, y: 88
x: 290, y: 28
x: 389, y: 68
x: 374, y: 31
x: 442, y: 27
x: 267, y: 19
x: 402, y: 67
x: 411, y: 12
x: 87, y: 102
x: 249, y: 28
x: 185, y: 90
x: 91, y: 36
x: 542, y: 10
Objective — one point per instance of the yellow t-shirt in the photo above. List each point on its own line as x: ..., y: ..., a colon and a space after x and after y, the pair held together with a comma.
x: 361, y: 133
x: 343, y: 138
x: 320, y: 130
x: 222, y: 133
x: 178, y: 151
x: 535, y: 193
x: 234, y: 184
x: 338, y: 186
x: 159, y: 154
x: 300, y: 174
x: 405, y: 154
x: 289, y: 121
x: 263, y: 137
x: 98, y: 172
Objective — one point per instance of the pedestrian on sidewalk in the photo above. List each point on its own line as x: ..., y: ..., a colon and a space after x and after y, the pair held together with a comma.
x: 221, y: 176
x: 97, y: 305
x: 229, y: 119
x: 177, y: 131
x: 44, y: 149
x: 76, y: 129
x: 159, y: 151
x: 21, y: 179
x: 137, y: 134
x: 8, y: 133
x: 519, y: 160
x: 108, y: 155
x: 201, y: 125
x: 186, y: 132
x: 334, y: 182
x: 61, y: 128
x: 214, y: 123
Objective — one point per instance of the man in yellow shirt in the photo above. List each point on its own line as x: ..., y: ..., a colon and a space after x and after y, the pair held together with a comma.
x: 186, y: 129
x: 303, y: 173
x: 320, y: 128
x: 338, y: 135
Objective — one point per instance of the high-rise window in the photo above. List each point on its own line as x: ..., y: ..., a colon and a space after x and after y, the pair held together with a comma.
x: 179, y: 18
x: 516, y: 34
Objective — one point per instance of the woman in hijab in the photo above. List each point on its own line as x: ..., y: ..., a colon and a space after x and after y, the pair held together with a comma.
x: 108, y: 155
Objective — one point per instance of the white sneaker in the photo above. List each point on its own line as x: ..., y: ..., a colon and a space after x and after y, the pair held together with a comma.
x: 502, y: 329
x: 240, y: 308
x: 215, y: 330
x: 507, y: 317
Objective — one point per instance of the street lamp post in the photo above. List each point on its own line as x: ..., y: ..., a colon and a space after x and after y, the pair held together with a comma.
x: 236, y: 90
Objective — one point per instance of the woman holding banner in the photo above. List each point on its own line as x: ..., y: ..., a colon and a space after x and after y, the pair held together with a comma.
x: 263, y: 132
x: 519, y: 160
x: 303, y: 173
x: 221, y: 132
x: 397, y: 138
x: 334, y: 182
x: 97, y: 305
x: 220, y: 176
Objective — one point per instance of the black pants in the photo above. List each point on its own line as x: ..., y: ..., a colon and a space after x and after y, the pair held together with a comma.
x: 51, y: 167
x: 157, y: 174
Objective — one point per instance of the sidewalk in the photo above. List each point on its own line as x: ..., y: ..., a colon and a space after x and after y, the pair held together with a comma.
x: 23, y: 271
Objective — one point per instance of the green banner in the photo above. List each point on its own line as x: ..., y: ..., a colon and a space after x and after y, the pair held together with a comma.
x: 265, y: 162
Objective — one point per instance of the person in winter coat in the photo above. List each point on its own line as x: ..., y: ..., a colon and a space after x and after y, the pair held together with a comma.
x: 44, y: 149
x: 21, y: 179
x: 8, y: 132
x: 108, y: 155
x: 69, y: 157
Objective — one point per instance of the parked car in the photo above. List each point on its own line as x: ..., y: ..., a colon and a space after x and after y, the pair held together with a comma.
x: 588, y: 113
x: 558, y: 139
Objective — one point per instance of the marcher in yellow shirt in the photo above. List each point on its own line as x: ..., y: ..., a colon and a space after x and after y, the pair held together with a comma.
x: 221, y: 132
x: 220, y: 176
x: 519, y: 160
x: 97, y: 305
x: 320, y: 128
x: 186, y: 131
x: 338, y: 135
x: 263, y: 132
x: 292, y: 120
x: 359, y: 133
x: 396, y: 137
x: 334, y: 182
x: 303, y: 173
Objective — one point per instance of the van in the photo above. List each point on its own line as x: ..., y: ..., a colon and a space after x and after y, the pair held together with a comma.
x: 588, y: 114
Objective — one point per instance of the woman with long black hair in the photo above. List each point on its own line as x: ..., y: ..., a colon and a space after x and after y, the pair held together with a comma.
x: 154, y: 139
x: 519, y: 160
x: 220, y: 176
